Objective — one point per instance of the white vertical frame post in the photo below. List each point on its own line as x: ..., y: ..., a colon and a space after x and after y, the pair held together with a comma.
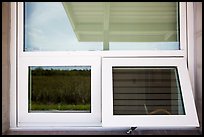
x: 190, y: 45
x: 183, y: 31
x: 13, y: 74
x: 20, y: 29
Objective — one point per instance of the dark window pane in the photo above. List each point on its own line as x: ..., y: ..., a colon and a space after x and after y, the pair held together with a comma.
x: 146, y: 91
x: 60, y: 89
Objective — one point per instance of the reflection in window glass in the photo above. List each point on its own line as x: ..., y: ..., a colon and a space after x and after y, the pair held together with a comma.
x: 60, y: 89
x: 144, y: 25
x: 82, y: 26
x: 146, y: 91
x: 47, y: 28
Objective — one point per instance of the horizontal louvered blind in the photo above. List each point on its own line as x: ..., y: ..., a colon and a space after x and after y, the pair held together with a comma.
x: 146, y: 91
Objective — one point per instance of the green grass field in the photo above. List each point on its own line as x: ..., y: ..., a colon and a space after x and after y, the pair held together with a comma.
x: 59, y: 107
x: 59, y: 90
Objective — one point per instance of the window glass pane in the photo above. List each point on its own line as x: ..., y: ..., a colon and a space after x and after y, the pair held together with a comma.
x: 144, y: 26
x: 146, y: 91
x: 48, y: 28
x: 60, y: 89
x: 91, y: 26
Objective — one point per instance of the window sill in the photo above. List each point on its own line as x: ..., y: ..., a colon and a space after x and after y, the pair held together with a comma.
x: 102, y: 131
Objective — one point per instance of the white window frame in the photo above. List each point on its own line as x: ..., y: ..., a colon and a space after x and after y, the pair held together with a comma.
x: 17, y: 53
x: 188, y: 120
x: 26, y: 59
x: 125, y: 53
x: 26, y: 118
